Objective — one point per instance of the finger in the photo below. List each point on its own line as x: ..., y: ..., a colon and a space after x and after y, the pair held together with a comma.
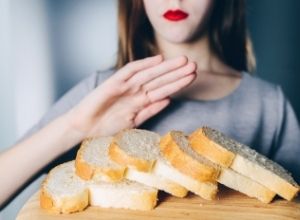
x: 171, y: 77
x: 150, y: 111
x: 113, y: 86
x: 132, y: 68
x: 171, y: 88
x: 154, y: 72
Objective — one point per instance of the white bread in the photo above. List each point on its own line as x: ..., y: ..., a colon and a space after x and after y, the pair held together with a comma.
x: 135, y: 148
x: 92, y: 161
x: 175, y: 149
x: 206, y: 190
x: 176, y: 140
x: 229, y: 153
x: 173, y: 163
x: 125, y: 194
x: 64, y: 192
x: 155, y: 180
x: 245, y: 185
x: 185, y: 167
x: 138, y: 150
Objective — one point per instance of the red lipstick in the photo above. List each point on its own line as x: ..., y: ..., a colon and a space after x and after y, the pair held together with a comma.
x: 175, y: 15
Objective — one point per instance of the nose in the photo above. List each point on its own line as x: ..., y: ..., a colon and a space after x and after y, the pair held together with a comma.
x: 175, y: 3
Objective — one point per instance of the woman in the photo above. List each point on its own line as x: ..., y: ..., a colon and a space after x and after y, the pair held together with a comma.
x: 207, y: 39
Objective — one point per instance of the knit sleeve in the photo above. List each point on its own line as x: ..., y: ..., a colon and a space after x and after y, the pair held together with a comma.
x: 287, y: 143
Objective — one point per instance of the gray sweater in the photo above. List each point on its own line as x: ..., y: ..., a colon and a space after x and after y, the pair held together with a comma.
x: 256, y: 114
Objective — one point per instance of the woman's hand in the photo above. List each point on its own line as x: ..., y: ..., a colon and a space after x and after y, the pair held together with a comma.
x: 132, y: 95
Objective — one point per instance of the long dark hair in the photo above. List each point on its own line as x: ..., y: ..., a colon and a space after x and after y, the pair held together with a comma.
x: 227, y: 30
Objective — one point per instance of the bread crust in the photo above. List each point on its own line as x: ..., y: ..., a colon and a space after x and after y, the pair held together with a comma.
x: 208, y: 148
x: 206, y: 191
x: 119, y: 156
x: 46, y: 201
x: 186, y: 164
x: 87, y: 171
x: 145, y: 201
x: 176, y: 189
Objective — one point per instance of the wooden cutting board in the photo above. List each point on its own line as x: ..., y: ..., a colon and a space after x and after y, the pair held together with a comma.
x: 229, y: 205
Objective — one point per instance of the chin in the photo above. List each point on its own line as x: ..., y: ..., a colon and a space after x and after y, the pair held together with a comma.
x: 178, y: 39
x: 177, y: 35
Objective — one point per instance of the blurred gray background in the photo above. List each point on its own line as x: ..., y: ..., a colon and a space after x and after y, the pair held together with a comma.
x: 47, y: 46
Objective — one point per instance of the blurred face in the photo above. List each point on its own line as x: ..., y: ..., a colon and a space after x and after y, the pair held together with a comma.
x: 178, y: 21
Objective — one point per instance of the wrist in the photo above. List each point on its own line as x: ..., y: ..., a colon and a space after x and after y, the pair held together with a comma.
x: 72, y: 136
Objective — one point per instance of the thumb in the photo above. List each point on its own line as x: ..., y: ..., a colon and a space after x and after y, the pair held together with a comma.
x: 150, y: 111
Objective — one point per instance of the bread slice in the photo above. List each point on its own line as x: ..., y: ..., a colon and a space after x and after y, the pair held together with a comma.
x: 175, y: 149
x: 138, y: 150
x: 135, y: 148
x: 229, y: 153
x: 245, y: 185
x: 92, y: 161
x: 64, y: 192
x: 206, y: 190
x: 125, y: 194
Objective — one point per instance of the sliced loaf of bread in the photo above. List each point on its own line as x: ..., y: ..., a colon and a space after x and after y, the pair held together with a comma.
x: 92, y: 161
x: 179, y: 144
x: 229, y: 153
x: 138, y: 150
x: 64, y: 192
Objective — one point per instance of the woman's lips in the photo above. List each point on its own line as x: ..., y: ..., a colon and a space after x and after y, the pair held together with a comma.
x: 175, y: 15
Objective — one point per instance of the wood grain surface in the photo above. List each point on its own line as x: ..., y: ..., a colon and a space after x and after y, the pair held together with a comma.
x: 229, y: 205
